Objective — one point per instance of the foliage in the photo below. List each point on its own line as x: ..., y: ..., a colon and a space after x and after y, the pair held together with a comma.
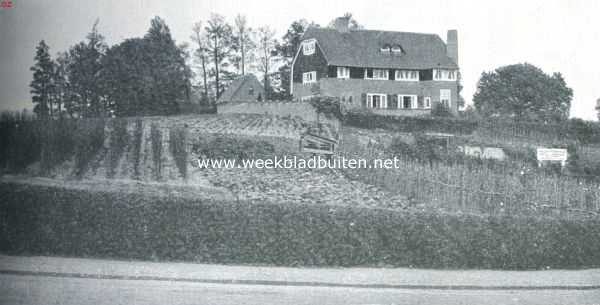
x: 266, y: 43
x: 20, y: 143
x: 365, y: 119
x: 68, y: 222
x: 177, y: 145
x: 286, y: 50
x: 352, y: 23
x: 242, y: 44
x: 88, y: 139
x: 119, y: 138
x: 441, y: 110
x: 223, y: 147
x: 156, y: 145
x: 327, y: 105
x: 42, y: 85
x: 598, y: 108
x: 525, y: 92
x: 83, y: 73
x: 147, y: 76
x: 218, y: 46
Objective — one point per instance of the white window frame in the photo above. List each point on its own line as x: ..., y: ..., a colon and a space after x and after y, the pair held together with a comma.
x: 427, y: 102
x: 385, y: 72
x: 446, y: 93
x: 445, y: 74
x: 309, y: 47
x: 413, y: 101
x: 382, y: 105
x: 406, y: 75
x: 309, y: 77
x: 343, y: 72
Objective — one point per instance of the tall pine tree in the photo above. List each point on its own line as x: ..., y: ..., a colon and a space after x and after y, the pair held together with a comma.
x: 42, y: 83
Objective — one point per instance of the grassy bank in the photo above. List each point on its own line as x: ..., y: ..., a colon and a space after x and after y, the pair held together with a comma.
x: 55, y: 221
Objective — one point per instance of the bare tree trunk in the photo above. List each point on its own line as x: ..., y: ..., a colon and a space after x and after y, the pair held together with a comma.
x: 243, y: 56
x: 204, y: 77
x: 216, y: 53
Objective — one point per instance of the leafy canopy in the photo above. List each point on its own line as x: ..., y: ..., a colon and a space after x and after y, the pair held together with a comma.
x: 523, y: 92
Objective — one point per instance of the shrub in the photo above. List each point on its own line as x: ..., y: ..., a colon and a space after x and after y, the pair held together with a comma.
x: 89, y: 139
x: 137, y: 146
x: 156, y: 142
x: 327, y: 105
x: 119, y: 139
x: 67, y: 222
x: 366, y: 119
x: 177, y: 145
x: 223, y: 147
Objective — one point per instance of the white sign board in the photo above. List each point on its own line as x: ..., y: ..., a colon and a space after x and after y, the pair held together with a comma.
x: 552, y: 154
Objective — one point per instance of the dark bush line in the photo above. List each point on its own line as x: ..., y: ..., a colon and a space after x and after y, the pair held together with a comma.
x: 368, y: 120
x: 54, y: 221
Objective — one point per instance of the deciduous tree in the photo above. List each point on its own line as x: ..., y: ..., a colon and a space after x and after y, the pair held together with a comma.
x: 219, y: 46
x: 242, y: 43
x: 266, y: 49
x: 523, y: 92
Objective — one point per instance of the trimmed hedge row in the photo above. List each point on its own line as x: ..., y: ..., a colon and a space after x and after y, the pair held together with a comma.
x: 363, y: 119
x: 55, y: 221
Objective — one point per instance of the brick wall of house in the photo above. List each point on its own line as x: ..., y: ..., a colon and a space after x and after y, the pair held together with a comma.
x: 355, y: 87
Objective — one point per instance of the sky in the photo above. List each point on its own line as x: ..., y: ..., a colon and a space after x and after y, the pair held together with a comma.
x: 557, y: 36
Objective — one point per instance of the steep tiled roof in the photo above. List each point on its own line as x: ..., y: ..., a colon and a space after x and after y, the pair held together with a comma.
x: 362, y: 48
x: 235, y: 90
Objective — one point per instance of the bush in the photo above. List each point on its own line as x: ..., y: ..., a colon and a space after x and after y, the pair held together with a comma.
x: 366, y: 119
x: 118, y: 141
x: 156, y: 142
x: 223, y: 147
x: 56, y: 221
x: 177, y: 145
x: 89, y: 139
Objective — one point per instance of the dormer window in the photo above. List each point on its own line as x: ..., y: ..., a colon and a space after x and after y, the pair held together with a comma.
x: 308, y: 47
x: 385, y: 49
x: 397, y: 49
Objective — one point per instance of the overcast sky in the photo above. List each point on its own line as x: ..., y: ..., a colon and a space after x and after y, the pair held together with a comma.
x: 557, y: 36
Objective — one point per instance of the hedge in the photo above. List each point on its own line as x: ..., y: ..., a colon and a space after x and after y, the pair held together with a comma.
x: 364, y: 119
x: 66, y: 222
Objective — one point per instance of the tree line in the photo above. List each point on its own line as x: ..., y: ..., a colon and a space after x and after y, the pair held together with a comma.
x: 153, y: 75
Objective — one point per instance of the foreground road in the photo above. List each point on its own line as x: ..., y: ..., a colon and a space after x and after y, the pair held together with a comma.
x: 19, y: 289
x: 49, y: 280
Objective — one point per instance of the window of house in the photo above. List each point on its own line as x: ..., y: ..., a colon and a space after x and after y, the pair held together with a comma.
x: 308, y: 47
x: 385, y: 48
x: 309, y: 77
x: 446, y: 97
x: 407, y: 101
x: 396, y: 49
x: 427, y: 102
x: 377, y: 74
x: 444, y: 74
x: 376, y: 100
x: 343, y: 72
x: 408, y: 75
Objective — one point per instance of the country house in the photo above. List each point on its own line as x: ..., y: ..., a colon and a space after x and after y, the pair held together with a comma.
x: 396, y: 73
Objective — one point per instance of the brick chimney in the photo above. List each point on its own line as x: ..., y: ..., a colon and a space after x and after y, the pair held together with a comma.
x: 341, y: 24
x: 452, y: 45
